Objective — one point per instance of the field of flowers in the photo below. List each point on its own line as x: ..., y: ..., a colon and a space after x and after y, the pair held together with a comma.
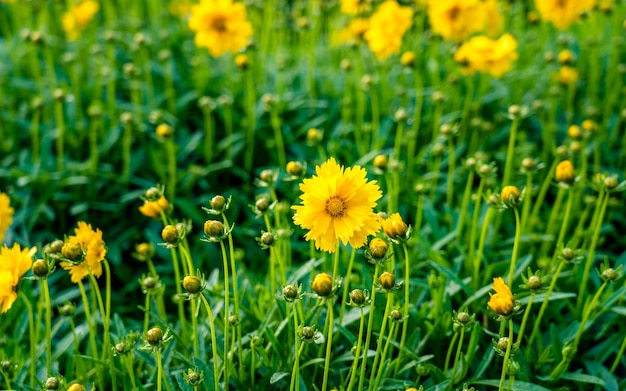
x: 312, y: 195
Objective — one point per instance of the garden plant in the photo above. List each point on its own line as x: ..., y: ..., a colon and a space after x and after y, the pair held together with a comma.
x: 312, y: 195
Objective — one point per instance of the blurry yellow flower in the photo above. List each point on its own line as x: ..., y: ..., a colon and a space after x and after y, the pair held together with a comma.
x: 562, y: 13
x: 153, y: 208
x: 502, y: 303
x: 337, y: 205
x: 493, y: 18
x: 483, y: 54
x: 14, y: 263
x: 6, y: 215
x: 220, y: 26
x: 565, y: 172
x: 78, y: 17
x: 94, y: 249
x: 353, y: 33
x: 180, y: 8
x: 566, y: 57
x: 353, y: 7
x: 456, y: 19
x: 394, y: 227
x: 387, y: 27
x: 567, y: 75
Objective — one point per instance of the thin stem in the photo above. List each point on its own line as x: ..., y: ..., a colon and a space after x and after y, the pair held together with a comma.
x: 525, y: 319
x: 329, y: 344
x: 90, y: 326
x: 544, y: 305
x: 481, y: 245
x: 46, y: 294
x: 405, y: 323
x: 508, y: 166
x: 226, y: 310
x: 505, y: 363
x: 216, y: 377
x: 370, y: 323
x: 346, y: 285
x: 157, y: 353
x: 381, y: 334
x: 33, y: 339
x: 233, y: 268
x: 518, y: 232
x: 295, y: 372
x: 358, y: 352
x: 451, y: 168
x: 456, y: 357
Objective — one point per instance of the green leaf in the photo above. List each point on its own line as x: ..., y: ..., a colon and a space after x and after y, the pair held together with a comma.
x: 517, y: 385
x: 277, y: 376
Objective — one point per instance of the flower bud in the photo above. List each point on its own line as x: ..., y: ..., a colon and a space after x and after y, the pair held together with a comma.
x: 40, y: 268
x: 529, y: 163
x: 213, y: 228
x: 574, y: 132
x: 218, y: 202
x: 394, y: 227
x: 120, y: 348
x: 610, y: 182
x: 534, y: 283
x: 170, y: 234
x: 314, y: 136
x: 55, y: 247
x: 463, y: 317
x: 76, y: 387
x: 503, y: 343
x: 387, y: 280
x: 357, y: 296
x: 164, y: 130
x: 72, y: 251
x: 294, y: 168
x: 194, y: 378
x: 267, y: 176
x: 515, y: 110
x: 565, y: 172
x: 568, y: 254
x: 192, y: 284
x: 322, y: 284
x: 154, y: 336
x: 378, y: 248
x: 233, y: 320
x: 380, y: 162
x: 267, y: 238
x: 510, y: 194
x: 395, y: 315
x: 67, y: 310
x: 290, y: 292
x: 609, y: 274
x: 262, y: 205
x: 408, y: 59
x: 308, y: 333
x: 52, y: 383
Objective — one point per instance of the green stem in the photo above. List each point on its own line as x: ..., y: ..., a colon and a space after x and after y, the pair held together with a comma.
x: 604, y: 196
x: 346, y: 285
x: 146, y: 316
x: 381, y: 335
x: 46, y: 295
x: 171, y: 169
x: 370, y: 323
x: 446, y: 364
x: 451, y: 168
x: 126, y: 152
x: 508, y: 166
x: 159, y: 369
x: 216, y: 377
x: 379, y: 374
x: 466, y: 197
x: 295, y: 372
x: 456, y: 357
x: 278, y: 137
x: 209, y: 135
x: 358, y: 352
x: 481, y: 246
x: 329, y: 344
x: 619, y: 356
x: 58, y: 110
x: 522, y: 327
x: 405, y: 323
x: 131, y: 371
x: 90, y: 325
x: 505, y: 363
x: 518, y: 232
x: 527, y: 201
x: 233, y: 268
x: 226, y: 310
x: 33, y: 339
x: 544, y: 305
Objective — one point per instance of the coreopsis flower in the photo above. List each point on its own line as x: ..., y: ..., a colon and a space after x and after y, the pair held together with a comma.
x: 354, y: 7
x: 6, y: 214
x: 502, y: 303
x: 153, y: 208
x: 567, y: 75
x: 394, y: 227
x: 220, y: 26
x: 456, y: 19
x: 337, y: 204
x: 94, y: 251
x: 565, y: 172
x: 353, y: 33
x: 562, y: 13
x: 483, y: 54
x: 387, y: 27
x: 77, y: 18
x: 14, y: 263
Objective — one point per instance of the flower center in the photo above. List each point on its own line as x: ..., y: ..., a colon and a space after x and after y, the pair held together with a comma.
x: 219, y: 24
x: 335, y: 206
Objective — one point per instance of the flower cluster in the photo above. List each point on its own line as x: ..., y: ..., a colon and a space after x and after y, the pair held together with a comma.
x: 92, y: 248
x: 77, y: 18
x: 483, y: 54
x: 562, y: 13
x: 457, y: 19
x: 387, y: 27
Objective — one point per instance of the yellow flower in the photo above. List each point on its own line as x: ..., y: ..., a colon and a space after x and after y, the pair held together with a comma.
x: 180, y: 8
x: 565, y: 172
x: 14, y: 263
x: 353, y: 7
x: 153, y: 208
x: 456, y: 19
x: 6, y: 214
x: 562, y: 13
x: 483, y: 54
x: 493, y: 18
x: 387, y: 27
x: 94, y: 249
x: 78, y: 17
x: 502, y: 302
x: 220, y: 26
x: 337, y: 205
x: 394, y: 227
x: 353, y: 33
x: 567, y: 75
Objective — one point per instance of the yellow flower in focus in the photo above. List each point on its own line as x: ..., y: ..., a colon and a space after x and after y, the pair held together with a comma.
x: 502, y: 303
x: 220, y: 26
x: 94, y: 249
x: 394, y: 227
x: 562, y: 13
x: 457, y: 19
x: 153, y: 208
x: 6, y: 215
x: 78, y: 17
x: 14, y: 263
x: 354, y: 7
x: 567, y: 75
x: 483, y: 54
x: 353, y: 33
x: 387, y: 27
x: 337, y: 204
